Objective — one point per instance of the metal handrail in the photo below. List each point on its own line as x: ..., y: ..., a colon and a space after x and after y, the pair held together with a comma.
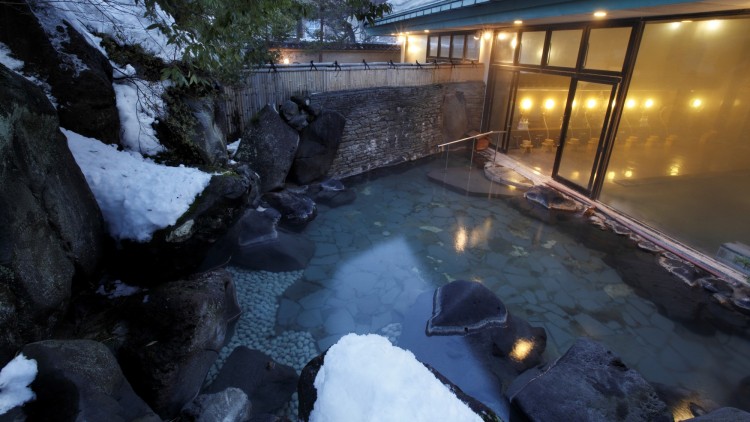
x: 472, y: 137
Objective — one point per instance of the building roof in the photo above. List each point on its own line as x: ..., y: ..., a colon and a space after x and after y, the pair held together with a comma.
x: 312, y: 45
x: 480, y: 14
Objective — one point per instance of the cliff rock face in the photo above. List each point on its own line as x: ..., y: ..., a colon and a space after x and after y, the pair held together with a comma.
x: 51, y: 229
x: 79, y: 75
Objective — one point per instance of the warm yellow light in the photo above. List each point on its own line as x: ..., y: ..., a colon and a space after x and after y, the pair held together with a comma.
x: 487, y: 35
x: 600, y: 14
x: 628, y: 173
x: 674, y: 170
x: 459, y: 243
x: 401, y: 39
x: 649, y: 103
x: 286, y: 60
x: 518, y: 21
x: 630, y: 103
x: 590, y: 103
x: 696, y: 103
x: 514, y: 43
x: 521, y: 349
x: 526, y: 104
x: 675, y: 25
x: 502, y: 35
x: 575, y: 103
x: 713, y: 25
x: 575, y: 175
x: 549, y: 104
x: 611, y: 175
x: 426, y: 31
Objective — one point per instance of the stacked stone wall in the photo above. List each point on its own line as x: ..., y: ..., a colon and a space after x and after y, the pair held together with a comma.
x: 389, y: 125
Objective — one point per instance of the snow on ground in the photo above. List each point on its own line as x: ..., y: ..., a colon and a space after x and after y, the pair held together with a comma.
x: 9, y: 62
x: 366, y: 378
x: 136, y: 195
x: 15, y: 378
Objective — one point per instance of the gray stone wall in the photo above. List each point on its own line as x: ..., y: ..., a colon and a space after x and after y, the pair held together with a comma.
x: 390, y: 125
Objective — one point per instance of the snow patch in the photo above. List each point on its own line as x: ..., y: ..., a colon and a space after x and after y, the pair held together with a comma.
x: 117, y: 289
x: 139, y: 105
x: 366, y: 378
x: 15, y: 378
x: 136, y: 195
x: 9, y: 62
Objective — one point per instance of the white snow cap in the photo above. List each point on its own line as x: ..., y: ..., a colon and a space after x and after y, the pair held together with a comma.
x: 15, y: 378
x: 136, y: 195
x: 366, y: 378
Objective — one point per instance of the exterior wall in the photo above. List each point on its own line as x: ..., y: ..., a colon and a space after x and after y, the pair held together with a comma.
x: 342, y: 56
x: 390, y: 125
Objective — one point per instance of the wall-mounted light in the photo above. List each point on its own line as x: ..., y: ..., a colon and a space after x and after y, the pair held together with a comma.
x: 426, y: 31
x: 517, y: 22
x: 514, y: 43
x: 487, y: 35
x: 649, y: 103
x: 675, y: 25
x: 401, y: 39
x: 600, y: 14
x: 286, y: 60
x: 713, y: 25
x: 526, y: 104
x: 630, y: 103
x: 696, y: 103
x: 502, y: 35
x: 591, y: 103
x: 549, y: 104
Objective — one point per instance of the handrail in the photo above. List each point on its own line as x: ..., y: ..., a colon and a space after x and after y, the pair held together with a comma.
x: 472, y: 137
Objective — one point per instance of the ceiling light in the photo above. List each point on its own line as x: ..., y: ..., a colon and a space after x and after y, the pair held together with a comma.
x: 518, y: 21
x: 600, y: 14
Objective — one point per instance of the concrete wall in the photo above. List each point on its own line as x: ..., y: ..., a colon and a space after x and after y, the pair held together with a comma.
x: 390, y: 125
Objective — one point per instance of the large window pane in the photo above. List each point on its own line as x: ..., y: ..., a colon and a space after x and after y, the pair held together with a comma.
x: 458, y: 46
x: 585, y: 127
x: 537, y: 118
x: 472, y: 48
x: 607, y: 48
x: 505, y: 47
x: 503, y: 80
x: 433, y: 46
x: 532, y: 47
x: 564, y: 46
x: 445, y: 46
x: 681, y: 159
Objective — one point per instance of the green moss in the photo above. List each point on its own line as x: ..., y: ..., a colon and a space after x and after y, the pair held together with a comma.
x: 147, y: 65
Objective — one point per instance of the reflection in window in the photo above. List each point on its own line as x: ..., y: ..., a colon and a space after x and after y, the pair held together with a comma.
x: 458, y: 46
x: 433, y: 45
x: 505, y: 47
x: 684, y: 131
x: 564, y: 46
x: 445, y: 46
x: 532, y: 47
x: 472, y: 48
x: 607, y: 48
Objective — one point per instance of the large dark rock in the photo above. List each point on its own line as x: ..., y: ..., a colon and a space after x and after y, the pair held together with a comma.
x: 257, y: 243
x: 79, y: 380
x: 206, y: 134
x: 724, y: 414
x: 173, y: 338
x: 267, y: 383
x: 268, y: 146
x: 318, y: 146
x: 79, y: 74
x: 550, y: 199
x: 464, y: 331
x: 179, y: 250
x: 455, y: 118
x: 332, y: 193
x: 230, y: 405
x: 297, y: 209
x: 51, y: 229
x: 589, y: 383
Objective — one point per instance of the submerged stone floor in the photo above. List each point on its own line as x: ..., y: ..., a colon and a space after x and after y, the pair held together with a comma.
x: 405, y: 235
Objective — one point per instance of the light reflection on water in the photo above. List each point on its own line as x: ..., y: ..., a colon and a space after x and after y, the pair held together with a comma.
x: 404, y: 236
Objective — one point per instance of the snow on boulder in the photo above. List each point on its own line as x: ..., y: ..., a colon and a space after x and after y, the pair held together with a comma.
x: 366, y: 378
x: 15, y: 378
x: 136, y: 195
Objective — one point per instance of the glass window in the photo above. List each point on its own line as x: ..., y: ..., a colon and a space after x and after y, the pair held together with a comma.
x: 607, y: 48
x: 445, y: 46
x: 505, y: 47
x: 532, y: 47
x: 537, y: 119
x: 564, y: 46
x: 458, y: 46
x: 433, y: 46
x: 681, y: 157
x: 472, y: 48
